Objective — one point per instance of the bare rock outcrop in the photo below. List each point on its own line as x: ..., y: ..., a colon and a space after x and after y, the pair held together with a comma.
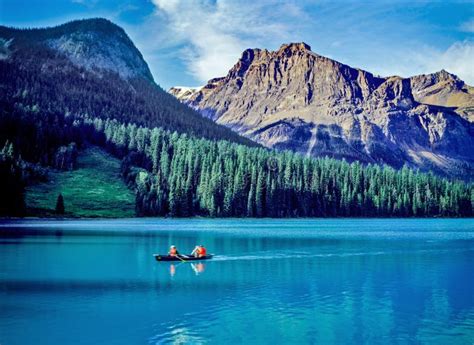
x: 444, y: 89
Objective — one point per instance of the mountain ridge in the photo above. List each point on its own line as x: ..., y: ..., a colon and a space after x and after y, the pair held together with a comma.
x: 293, y: 98
x: 95, y: 43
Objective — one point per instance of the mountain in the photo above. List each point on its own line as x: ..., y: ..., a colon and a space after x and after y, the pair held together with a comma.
x: 295, y: 99
x: 91, y: 68
x: 444, y: 89
x: 92, y: 43
x: 183, y: 93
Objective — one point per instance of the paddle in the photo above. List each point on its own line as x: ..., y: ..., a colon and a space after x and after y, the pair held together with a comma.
x: 178, y: 256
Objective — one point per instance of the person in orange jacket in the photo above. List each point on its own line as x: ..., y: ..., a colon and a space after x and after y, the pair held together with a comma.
x: 199, y: 251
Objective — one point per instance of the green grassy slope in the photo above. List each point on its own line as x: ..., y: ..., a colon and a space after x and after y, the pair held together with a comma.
x: 94, y: 189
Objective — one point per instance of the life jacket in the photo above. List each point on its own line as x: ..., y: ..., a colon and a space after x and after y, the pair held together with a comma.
x: 173, y: 252
x: 202, y: 251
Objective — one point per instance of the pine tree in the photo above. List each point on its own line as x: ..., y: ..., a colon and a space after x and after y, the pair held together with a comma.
x: 260, y: 195
x: 60, y: 204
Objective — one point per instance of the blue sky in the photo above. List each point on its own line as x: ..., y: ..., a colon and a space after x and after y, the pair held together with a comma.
x: 187, y: 42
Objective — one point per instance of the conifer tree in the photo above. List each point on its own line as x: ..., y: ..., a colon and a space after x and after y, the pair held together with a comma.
x: 60, y: 204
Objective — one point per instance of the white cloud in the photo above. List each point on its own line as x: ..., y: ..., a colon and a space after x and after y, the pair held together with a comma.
x: 87, y: 3
x: 208, y: 37
x: 467, y: 26
x: 422, y: 59
x: 214, y: 34
x: 457, y: 59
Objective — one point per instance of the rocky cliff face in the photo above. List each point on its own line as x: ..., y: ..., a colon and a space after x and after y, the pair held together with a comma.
x: 295, y: 99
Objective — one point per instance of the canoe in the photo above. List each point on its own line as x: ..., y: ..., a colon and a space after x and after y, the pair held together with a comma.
x: 165, y: 257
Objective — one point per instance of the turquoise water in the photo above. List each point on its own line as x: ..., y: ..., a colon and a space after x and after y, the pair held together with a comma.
x: 339, y: 281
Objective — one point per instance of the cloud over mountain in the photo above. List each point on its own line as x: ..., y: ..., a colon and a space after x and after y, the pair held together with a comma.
x: 211, y: 34
x: 214, y: 34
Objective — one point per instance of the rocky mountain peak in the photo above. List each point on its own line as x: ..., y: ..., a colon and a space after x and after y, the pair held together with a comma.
x: 445, y: 75
x: 249, y: 54
x: 294, y: 47
x: 261, y: 56
x: 444, y: 89
x: 244, y: 62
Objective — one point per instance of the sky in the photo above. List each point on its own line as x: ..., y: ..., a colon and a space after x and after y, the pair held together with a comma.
x: 188, y: 42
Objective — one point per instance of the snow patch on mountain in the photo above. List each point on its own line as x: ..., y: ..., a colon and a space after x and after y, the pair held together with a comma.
x: 183, y: 93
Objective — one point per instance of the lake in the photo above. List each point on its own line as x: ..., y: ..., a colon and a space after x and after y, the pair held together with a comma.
x: 272, y: 281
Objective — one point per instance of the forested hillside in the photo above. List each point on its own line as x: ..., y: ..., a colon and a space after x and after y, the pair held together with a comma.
x: 180, y: 175
x: 185, y: 176
x: 36, y: 75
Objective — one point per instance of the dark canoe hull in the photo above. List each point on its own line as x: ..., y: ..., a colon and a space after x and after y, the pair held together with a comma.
x: 160, y: 257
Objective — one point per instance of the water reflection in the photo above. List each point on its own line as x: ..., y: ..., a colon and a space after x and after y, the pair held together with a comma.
x: 329, y: 289
x: 197, y: 267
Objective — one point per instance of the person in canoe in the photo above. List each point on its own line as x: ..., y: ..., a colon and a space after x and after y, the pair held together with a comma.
x: 199, y: 251
x: 173, y: 251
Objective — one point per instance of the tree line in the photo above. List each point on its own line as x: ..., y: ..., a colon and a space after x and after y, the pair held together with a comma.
x: 183, y: 176
x: 180, y: 175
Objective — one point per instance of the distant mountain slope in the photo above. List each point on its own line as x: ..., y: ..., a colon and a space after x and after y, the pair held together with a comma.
x: 91, y: 68
x: 183, y: 93
x: 295, y: 99
x: 90, y: 43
